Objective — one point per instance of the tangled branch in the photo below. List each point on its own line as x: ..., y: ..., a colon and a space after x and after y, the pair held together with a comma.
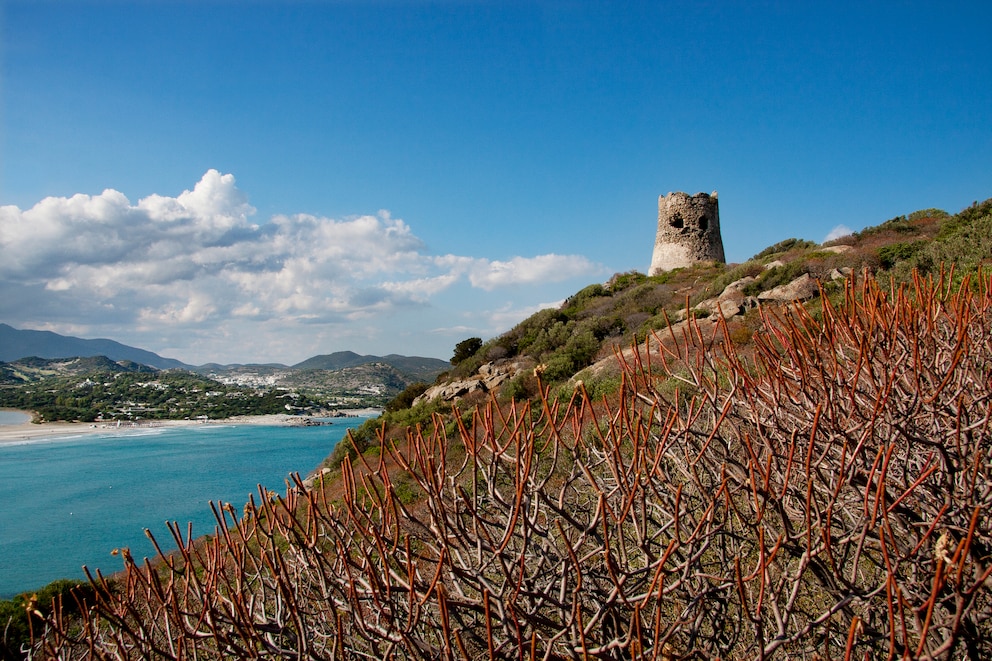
x: 829, y: 495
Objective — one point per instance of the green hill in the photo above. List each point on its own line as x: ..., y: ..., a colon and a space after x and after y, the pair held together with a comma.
x: 415, y: 366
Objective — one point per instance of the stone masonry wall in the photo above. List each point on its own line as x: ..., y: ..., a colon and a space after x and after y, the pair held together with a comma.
x: 688, y: 231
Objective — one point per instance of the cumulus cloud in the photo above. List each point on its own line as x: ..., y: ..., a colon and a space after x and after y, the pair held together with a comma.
x: 528, y: 270
x: 838, y: 232
x: 201, y: 257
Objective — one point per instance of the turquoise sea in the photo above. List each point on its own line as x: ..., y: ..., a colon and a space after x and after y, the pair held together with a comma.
x: 67, y: 502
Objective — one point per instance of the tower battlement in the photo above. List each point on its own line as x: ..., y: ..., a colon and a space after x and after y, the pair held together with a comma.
x: 688, y: 232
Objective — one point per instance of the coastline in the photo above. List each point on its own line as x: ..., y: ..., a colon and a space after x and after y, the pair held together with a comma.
x: 30, y: 431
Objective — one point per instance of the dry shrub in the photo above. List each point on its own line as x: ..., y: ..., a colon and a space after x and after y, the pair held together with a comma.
x: 830, y: 498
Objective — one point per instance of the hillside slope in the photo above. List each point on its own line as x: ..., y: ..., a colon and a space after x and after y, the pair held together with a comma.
x: 804, y: 478
x: 827, y: 497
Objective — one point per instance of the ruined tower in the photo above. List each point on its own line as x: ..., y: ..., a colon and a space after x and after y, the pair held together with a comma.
x: 688, y: 231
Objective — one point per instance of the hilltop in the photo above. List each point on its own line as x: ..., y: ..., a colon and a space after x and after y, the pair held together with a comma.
x: 601, y: 319
x: 412, y: 365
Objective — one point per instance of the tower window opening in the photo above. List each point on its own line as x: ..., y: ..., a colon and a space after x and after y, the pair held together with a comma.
x: 677, y: 221
x: 704, y: 223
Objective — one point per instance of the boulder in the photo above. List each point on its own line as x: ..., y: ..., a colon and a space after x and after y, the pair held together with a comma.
x: 802, y: 288
x: 841, y: 273
x: 310, y: 481
x: 731, y: 301
x: 738, y: 285
x: 835, y: 249
x: 451, y: 390
x: 724, y: 306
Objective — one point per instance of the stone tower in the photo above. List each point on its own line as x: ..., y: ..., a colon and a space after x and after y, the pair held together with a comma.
x: 688, y: 232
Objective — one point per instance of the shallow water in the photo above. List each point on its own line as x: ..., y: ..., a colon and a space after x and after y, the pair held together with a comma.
x: 66, y: 502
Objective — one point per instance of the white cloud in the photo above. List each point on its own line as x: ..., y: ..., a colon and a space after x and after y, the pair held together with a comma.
x: 490, y: 275
x: 838, y: 232
x: 421, y: 289
x: 199, y: 262
x: 508, y: 316
x: 198, y: 308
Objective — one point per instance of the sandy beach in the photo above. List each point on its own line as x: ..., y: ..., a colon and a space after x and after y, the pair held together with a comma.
x: 27, y: 431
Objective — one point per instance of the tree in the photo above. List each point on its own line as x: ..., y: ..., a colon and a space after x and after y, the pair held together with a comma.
x: 404, y: 400
x: 466, y: 349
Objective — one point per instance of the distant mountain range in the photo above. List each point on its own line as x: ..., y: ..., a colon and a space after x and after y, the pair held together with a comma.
x: 16, y: 344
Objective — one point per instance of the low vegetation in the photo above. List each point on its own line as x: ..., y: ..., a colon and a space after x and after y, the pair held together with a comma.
x: 20, y: 616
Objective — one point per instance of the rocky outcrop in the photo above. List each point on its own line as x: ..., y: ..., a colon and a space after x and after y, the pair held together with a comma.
x: 489, y: 377
x: 315, y: 478
x: 732, y: 301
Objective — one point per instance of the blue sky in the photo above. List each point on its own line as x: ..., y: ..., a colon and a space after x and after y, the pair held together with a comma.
x: 266, y: 181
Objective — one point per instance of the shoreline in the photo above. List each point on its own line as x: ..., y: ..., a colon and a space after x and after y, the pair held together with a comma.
x: 31, y: 431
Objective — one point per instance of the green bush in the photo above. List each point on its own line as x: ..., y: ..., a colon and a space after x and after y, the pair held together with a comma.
x: 899, y: 224
x: 783, y: 246
x: 580, y: 300
x: 404, y: 400
x: 891, y: 254
x: 603, y: 387
x: 15, y: 630
x: 406, y: 489
x: 578, y: 352
x: 779, y: 275
x: 923, y: 214
x: 622, y: 281
x: 966, y: 240
x: 534, y: 330
x: 518, y: 389
x: 466, y: 349
x: 666, y: 276
x: 355, y: 441
x: 548, y: 339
